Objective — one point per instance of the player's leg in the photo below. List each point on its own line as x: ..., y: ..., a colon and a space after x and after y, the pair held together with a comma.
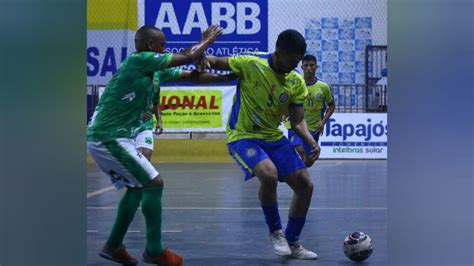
x: 151, y: 204
x: 131, y: 199
x: 114, y: 249
x: 152, y: 209
x: 154, y: 252
x: 268, y: 176
x: 133, y: 169
x: 125, y: 213
x: 252, y: 158
x: 146, y: 152
x: 110, y: 158
x: 302, y: 186
x: 291, y: 170
x: 144, y: 143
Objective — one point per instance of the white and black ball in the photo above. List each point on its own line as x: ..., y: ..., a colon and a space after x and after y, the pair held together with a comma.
x: 358, y: 246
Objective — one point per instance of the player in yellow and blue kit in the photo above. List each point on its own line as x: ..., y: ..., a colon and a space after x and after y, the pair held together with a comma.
x: 315, y: 114
x: 269, y: 88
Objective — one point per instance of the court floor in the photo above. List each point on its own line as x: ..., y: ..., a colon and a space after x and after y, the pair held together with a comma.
x: 212, y: 217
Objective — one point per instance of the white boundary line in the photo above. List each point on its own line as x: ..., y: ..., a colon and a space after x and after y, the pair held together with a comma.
x: 138, y: 231
x: 100, y: 191
x: 249, y: 208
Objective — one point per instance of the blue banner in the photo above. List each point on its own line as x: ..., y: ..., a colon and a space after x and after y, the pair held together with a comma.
x: 245, y: 24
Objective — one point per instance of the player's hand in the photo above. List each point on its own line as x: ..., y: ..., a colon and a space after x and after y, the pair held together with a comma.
x: 202, y: 64
x: 158, y: 127
x: 320, y: 128
x: 315, y: 151
x: 212, y: 33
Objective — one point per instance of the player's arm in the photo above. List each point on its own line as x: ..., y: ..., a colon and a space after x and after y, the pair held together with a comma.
x: 204, y: 77
x: 298, y: 124
x: 327, y: 115
x: 329, y: 112
x: 196, y: 51
x: 214, y: 62
x: 331, y: 107
x: 159, y: 123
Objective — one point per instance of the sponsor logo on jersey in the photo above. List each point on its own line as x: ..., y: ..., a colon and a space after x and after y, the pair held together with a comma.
x: 283, y: 98
x: 250, y: 152
x: 129, y: 96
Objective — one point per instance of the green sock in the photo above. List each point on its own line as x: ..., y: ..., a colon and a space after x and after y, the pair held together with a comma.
x: 151, y: 208
x: 126, y: 211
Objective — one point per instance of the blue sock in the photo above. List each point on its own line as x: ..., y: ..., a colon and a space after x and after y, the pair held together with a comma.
x: 272, y: 218
x: 293, y: 229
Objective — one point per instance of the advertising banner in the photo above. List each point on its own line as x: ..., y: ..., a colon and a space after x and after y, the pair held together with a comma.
x: 104, y: 56
x: 336, y: 32
x: 245, y: 24
x: 195, y: 109
x: 355, y: 136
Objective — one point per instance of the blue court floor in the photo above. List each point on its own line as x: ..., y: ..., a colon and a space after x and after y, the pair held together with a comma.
x: 212, y: 217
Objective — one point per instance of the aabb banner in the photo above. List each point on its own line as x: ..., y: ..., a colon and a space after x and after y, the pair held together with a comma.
x: 355, y: 136
x: 112, y: 25
x: 245, y: 24
x: 336, y: 31
x: 195, y: 108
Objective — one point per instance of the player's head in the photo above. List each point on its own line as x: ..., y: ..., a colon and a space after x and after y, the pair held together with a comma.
x: 150, y: 38
x: 309, y: 66
x: 290, y: 49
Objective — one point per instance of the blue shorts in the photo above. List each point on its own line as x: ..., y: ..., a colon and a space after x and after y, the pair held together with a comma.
x: 249, y: 152
x: 296, y: 140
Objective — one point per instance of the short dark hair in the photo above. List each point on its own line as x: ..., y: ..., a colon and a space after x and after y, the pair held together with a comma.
x: 291, y: 41
x: 310, y: 57
x: 144, y: 32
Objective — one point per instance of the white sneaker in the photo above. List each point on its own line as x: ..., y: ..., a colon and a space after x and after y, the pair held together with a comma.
x: 299, y: 252
x: 280, y: 245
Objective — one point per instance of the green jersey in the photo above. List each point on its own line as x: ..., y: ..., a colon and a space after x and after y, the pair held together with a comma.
x: 161, y: 76
x: 263, y: 96
x: 127, y: 98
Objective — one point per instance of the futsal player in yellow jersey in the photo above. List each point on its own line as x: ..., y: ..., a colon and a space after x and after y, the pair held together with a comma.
x: 315, y: 114
x: 269, y: 88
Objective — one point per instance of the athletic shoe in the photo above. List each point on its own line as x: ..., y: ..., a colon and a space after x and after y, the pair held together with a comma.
x: 167, y: 258
x: 119, y: 255
x: 280, y: 245
x: 299, y: 252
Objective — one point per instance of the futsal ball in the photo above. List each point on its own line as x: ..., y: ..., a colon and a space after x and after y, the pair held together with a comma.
x: 358, y: 246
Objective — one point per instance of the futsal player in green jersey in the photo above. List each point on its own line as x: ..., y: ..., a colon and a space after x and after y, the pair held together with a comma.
x: 269, y: 88
x: 315, y: 114
x: 110, y: 141
x: 144, y: 135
